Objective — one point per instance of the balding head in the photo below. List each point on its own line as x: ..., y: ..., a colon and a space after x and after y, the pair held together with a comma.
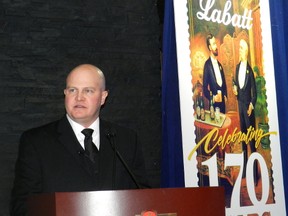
x: 88, y: 68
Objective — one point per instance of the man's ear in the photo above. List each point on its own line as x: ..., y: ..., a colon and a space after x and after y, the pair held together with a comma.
x: 103, y: 97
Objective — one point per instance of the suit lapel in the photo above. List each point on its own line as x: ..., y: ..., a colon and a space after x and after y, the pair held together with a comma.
x: 69, y: 140
x: 213, y: 71
x: 246, y: 76
x: 106, y: 155
x: 237, y: 75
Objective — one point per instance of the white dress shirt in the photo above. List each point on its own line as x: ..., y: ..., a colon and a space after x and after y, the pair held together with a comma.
x: 77, y: 128
x: 217, y: 71
x: 242, y: 74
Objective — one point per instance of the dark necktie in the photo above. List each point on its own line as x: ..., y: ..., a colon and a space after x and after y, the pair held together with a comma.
x: 90, y: 148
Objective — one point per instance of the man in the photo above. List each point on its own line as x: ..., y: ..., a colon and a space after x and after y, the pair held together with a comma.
x: 245, y: 90
x: 59, y: 157
x: 213, y: 76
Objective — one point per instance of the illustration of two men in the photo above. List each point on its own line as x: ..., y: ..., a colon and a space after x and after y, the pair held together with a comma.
x: 244, y: 89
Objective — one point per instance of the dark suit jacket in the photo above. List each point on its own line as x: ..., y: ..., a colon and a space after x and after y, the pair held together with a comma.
x: 210, y: 83
x: 245, y: 96
x: 52, y: 160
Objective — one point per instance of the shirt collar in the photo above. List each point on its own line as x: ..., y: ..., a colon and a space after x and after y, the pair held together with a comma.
x: 214, y: 60
x: 77, y: 128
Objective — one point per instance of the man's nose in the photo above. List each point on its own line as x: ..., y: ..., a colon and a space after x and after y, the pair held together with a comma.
x: 80, y: 95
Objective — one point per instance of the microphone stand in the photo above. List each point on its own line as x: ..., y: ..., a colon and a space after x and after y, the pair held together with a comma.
x: 110, y: 137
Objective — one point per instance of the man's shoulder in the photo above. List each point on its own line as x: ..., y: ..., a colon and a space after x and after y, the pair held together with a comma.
x: 219, y: 63
x: 112, y: 127
x: 208, y: 61
x: 249, y: 67
x: 50, y: 126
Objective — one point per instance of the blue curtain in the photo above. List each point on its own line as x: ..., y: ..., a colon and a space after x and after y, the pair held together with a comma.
x: 279, y: 25
x: 172, y: 171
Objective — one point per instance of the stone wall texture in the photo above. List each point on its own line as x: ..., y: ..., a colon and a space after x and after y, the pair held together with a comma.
x: 42, y: 40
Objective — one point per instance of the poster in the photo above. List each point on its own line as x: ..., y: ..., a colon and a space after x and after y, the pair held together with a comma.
x: 228, y: 103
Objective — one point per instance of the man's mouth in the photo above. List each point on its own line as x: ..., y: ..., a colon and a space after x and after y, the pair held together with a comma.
x: 79, y: 106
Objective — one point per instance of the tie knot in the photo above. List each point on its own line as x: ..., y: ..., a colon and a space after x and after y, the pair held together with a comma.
x: 87, y: 132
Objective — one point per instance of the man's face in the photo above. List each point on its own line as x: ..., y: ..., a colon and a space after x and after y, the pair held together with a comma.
x: 84, y: 95
x: 213, y: 46
x: 243, y: 50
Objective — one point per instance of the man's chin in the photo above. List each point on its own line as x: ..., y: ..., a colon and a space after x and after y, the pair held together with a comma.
x: 79, y: 117
x: 84, y: 120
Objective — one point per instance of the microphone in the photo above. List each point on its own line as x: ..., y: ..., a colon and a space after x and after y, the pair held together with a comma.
x: 81, y: 152
x: 111, y: 135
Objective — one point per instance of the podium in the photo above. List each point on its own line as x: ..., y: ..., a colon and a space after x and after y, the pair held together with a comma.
x: 202, y: 201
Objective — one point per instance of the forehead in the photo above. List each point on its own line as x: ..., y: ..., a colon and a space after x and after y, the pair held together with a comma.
x: 83, y: 77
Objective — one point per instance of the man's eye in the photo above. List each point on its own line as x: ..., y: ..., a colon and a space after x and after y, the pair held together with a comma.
x: 71, y: 90
x: 89, y: 91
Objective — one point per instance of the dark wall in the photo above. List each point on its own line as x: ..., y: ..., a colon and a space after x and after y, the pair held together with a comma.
x: 41, y: 41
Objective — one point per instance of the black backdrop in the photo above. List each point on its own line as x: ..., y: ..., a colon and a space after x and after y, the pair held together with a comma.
x: 42, y: 40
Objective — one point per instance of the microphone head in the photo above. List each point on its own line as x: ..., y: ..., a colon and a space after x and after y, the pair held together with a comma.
x: 81, y: 152
x: 110, y: 133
